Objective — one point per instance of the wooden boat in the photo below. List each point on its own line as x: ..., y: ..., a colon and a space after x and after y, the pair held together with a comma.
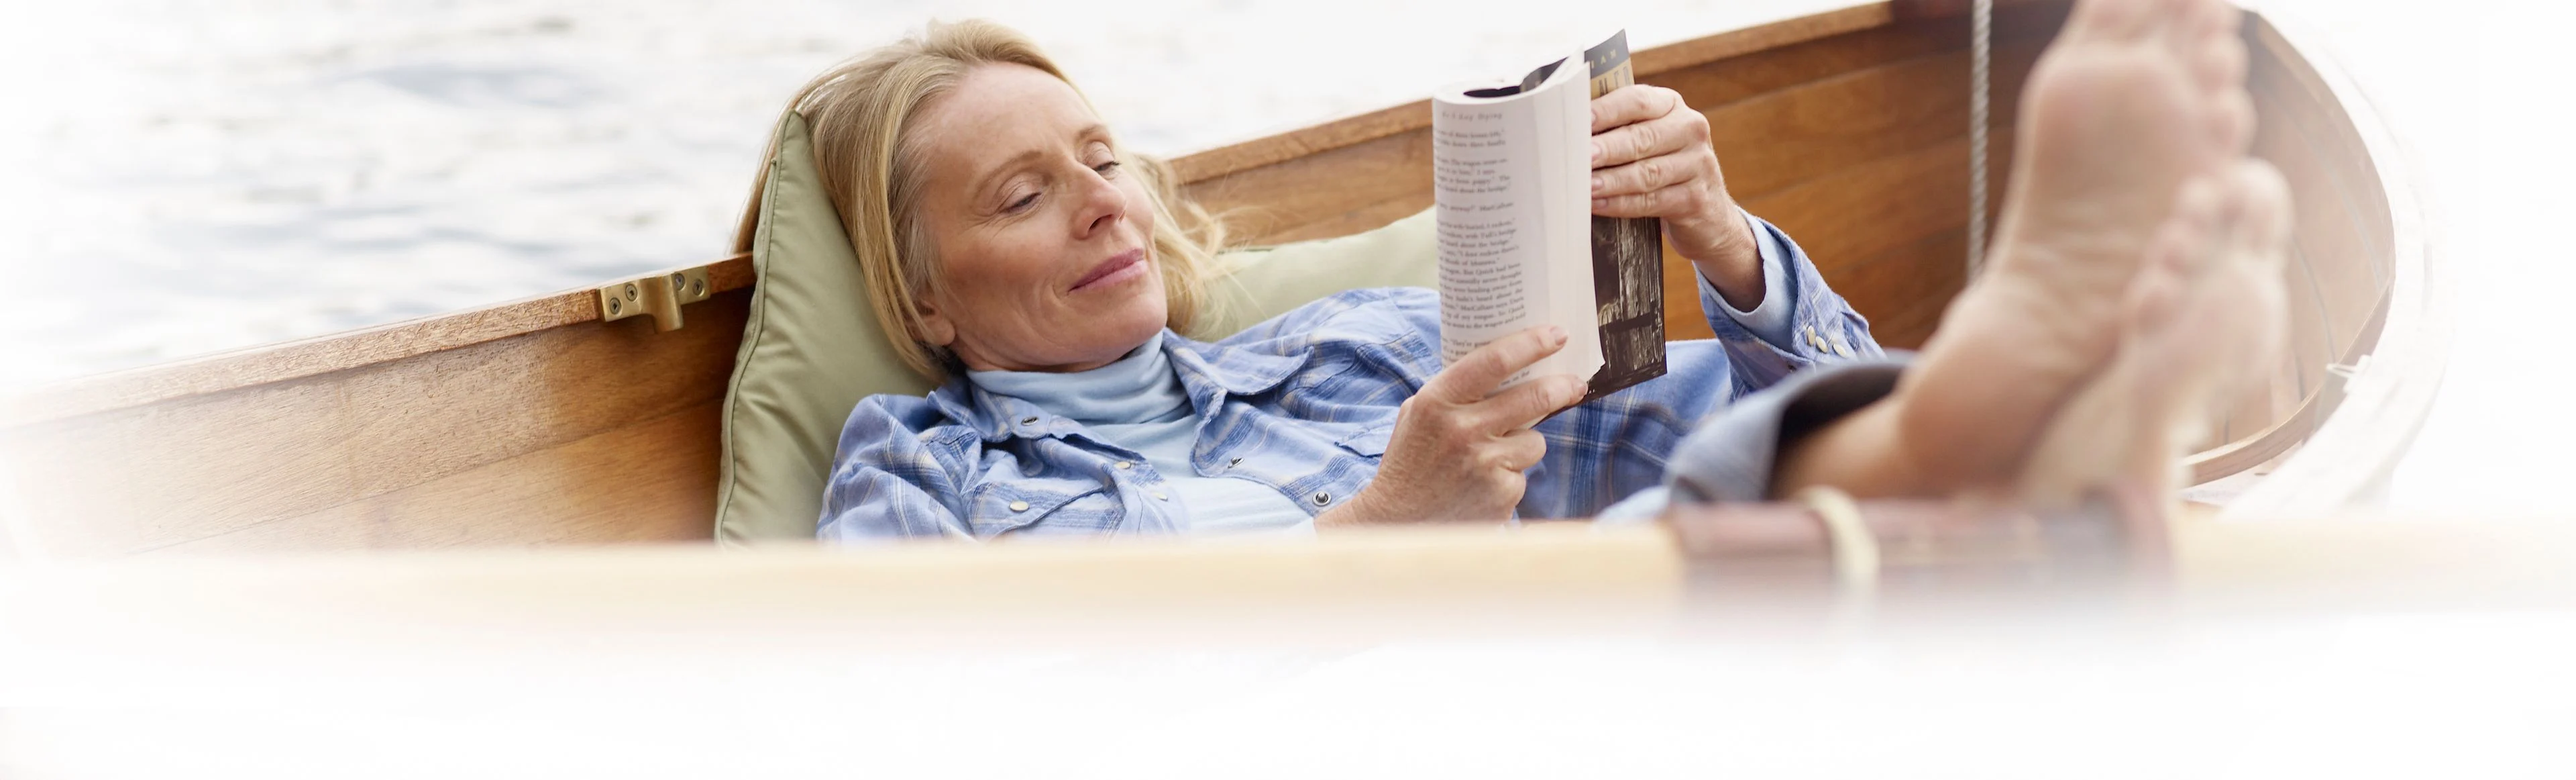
x: 534, y: 422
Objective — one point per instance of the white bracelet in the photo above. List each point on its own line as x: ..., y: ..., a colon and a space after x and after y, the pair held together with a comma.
x: 1855, y: 548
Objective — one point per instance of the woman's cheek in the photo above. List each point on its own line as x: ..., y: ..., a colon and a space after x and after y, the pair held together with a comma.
x: 1140, y: 207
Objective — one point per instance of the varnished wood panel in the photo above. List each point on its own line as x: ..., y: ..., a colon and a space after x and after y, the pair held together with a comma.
x: 152, y: 476
x: 1307, y: 142
x: 1278, y: 203
x: 1906, y: 289
x: 638, y: 483
x: 1863, y: 212
x: 1774, y: 141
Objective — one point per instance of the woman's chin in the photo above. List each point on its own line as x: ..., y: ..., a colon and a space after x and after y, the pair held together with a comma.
x: 1119, y: 331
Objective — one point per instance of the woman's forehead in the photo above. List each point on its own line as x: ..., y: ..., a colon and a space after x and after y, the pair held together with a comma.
x: 997, y: 102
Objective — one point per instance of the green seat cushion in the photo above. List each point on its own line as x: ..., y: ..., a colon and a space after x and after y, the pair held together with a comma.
x: 811, y: 349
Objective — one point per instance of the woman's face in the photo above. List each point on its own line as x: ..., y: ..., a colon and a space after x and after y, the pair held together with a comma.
x: 1045, y: 250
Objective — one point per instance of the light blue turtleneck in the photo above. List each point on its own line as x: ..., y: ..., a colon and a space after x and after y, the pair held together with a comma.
x: 1138, y: 403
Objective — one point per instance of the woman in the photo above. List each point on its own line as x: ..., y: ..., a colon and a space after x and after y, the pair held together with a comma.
x: 1048, y: 277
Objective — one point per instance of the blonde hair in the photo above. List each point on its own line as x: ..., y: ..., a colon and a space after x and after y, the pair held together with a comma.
x: 858, y: 112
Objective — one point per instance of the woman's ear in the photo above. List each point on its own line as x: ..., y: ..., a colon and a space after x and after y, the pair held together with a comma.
x: 936, y: 329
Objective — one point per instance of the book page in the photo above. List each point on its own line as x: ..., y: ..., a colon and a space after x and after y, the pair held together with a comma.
x: 1488, y: 229
x: 1512, y: 200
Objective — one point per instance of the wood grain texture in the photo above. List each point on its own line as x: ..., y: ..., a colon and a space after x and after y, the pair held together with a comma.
x: 1416, y: 116
x: 1777, y: 139
x: 646, y: 482
x: 142, y: 478
x: 1285, y: 202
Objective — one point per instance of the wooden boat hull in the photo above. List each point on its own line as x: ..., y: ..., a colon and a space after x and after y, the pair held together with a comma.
x: 535, y: 423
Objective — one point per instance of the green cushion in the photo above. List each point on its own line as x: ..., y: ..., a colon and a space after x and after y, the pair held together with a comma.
x: 811, y: 349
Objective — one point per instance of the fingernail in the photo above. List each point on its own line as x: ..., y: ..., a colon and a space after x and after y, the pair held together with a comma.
x: 1572, y: 391
x: 1596, y: 153
x: 1599, y: 182
x: 1555, y: 335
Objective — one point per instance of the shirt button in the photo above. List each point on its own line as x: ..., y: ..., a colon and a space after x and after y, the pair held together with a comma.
x: 1322, y: 498
x: 1158, y: 496
x: 1234, y: 462
x: 1124, y: 465
x: 1019, y: 506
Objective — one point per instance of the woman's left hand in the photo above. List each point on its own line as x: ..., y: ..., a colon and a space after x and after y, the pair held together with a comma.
x: 1651, y: 158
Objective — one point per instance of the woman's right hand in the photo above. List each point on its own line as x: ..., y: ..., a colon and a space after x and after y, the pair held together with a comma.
x: 1459, y: 449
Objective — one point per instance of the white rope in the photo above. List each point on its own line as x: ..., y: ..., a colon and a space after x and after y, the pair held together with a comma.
x: 1980, y: 59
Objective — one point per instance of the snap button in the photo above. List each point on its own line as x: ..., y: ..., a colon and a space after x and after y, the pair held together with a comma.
x: 1234, y: 462
x: 1019, y: 506
x: 1028, y: 421
x: 1158, y: 496
x: 1322, y: 498
x: 1124, y: 465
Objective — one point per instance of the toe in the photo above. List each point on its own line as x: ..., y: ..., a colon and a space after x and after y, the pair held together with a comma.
x: 2255, y: 246
x: 2196, y: 206
x: 2265, y: 221
x: 2202, y: 214
x: 2216, y: 17
x: 2175, y: 24
x: 2114, y: 20
x: 2220, y: 63
x: 2151, y: 300
x: 2232, y: 122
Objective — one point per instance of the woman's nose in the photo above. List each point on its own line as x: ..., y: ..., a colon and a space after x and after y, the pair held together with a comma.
x: 1102, y: 203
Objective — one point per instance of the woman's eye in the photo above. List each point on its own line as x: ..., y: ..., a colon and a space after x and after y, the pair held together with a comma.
x: 1106, y: 168
x: 1022, y: 203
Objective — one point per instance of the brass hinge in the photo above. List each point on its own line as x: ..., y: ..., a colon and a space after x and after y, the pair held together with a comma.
x: 659, y: 295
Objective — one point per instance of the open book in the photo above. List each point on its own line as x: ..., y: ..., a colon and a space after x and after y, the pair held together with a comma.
x: 1519, y: 247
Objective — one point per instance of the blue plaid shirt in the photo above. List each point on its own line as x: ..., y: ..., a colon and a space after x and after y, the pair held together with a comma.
x: 1302, y: 403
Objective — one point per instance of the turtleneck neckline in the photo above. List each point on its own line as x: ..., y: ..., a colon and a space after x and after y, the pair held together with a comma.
x: 1138, y: 388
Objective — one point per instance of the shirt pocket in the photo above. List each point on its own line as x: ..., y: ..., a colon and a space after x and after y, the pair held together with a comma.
x: 1369, y: 441
x: 1041, y: 506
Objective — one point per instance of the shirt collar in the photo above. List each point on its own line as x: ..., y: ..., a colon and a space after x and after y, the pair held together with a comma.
x: 1208, y: 371
x: 1236, y: 371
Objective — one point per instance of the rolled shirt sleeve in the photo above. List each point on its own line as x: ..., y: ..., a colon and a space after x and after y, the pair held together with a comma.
x: 1800, y: 322
x: 1769, y: 320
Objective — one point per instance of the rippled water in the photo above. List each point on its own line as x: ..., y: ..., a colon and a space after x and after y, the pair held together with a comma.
x: 191, y: 177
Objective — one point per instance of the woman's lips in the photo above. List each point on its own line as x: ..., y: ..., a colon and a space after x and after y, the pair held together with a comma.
x: 1118, y: 268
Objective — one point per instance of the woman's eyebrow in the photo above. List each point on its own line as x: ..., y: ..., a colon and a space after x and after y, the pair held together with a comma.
x: 983, y: 182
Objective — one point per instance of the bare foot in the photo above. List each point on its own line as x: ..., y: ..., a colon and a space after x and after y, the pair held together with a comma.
x: 2206, y: 313
x: 2135, y: 98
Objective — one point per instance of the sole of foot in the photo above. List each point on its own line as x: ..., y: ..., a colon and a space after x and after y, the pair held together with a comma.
x: 2134, y: 98
x: 2207, y: 316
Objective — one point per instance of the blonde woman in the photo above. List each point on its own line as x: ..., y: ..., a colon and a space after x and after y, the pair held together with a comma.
x: 1049, y: 279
